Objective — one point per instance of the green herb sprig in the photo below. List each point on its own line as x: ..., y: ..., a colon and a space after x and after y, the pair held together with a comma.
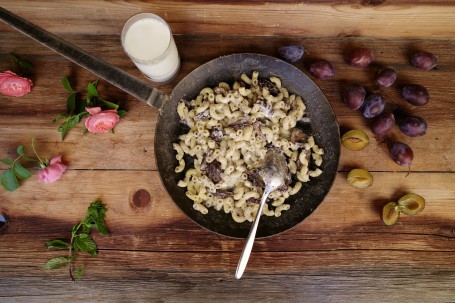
x: 11, y: 176
x: 76, y: 104
x: 80, y: 239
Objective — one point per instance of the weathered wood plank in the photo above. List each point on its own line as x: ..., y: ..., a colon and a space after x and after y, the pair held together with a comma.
x: 347, y: 219
x: 350, y: 18
x: 198, y: 277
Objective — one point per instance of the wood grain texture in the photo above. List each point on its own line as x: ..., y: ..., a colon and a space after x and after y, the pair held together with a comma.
x: 293, y: 18
x: 340, y: 253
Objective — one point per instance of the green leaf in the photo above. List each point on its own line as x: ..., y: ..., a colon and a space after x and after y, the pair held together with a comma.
x: 79, y: 272
x: 108, y: 104
x: 75, y: 228
x: 122, y: 112
x: 97, y: 211
x: 101, y: 227
x: 71, y: 103
x: 7, y: 161
x: 60, y: 244
x: 59, y: 117
x: 92, y: 90
x: 66, y: 84
x: 85, y: 244
x: 57, y: 263
x: 98, y: 207
x: 25, y: 64
x: 69, y: 123
x: 20, y: 150
x: 9, y: 180
x: 21, y: 172
x: 87, y: 225
x: 22, y: 62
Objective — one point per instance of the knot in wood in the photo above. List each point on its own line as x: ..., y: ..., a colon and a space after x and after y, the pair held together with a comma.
x: 141, y: 199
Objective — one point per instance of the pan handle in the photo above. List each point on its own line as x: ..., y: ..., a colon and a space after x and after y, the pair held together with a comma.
x: 117, y: 77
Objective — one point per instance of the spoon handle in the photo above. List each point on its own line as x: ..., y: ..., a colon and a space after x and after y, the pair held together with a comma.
x: 251, y: 236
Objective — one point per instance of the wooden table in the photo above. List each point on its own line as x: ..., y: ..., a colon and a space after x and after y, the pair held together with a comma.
x: 341, y: 253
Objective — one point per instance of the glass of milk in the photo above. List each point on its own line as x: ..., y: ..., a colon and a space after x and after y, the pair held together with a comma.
x: 147, y: 40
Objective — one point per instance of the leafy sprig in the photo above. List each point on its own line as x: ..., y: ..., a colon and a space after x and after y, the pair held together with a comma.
x: 21, y: 66
x: 80, y: 239
x: 11, y: 176
x: 76, y: 104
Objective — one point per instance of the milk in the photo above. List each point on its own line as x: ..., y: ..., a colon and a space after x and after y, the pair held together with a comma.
x: 148, y: 41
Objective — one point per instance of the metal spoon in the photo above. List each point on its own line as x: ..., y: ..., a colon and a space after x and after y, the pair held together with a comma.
x: 273, y: 173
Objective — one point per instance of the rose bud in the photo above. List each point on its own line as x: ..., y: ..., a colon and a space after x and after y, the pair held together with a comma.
x: 101, y: 121
x: 53, y: 171
x: 14, y: 85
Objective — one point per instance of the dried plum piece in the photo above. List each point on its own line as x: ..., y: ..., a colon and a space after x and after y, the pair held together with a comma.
x: 223, y: 194
x: 204, y: 161
x: 261, y: 101
x: 204, y: 115
x: 238, y: 126
x: 298, y: 136
x: 253, y: 200
x: 213, y: 171
x: 241, y: 122
x: 273, y: 90
x: 255, y: 178
x: 216, y: 134
x: 257, y: 126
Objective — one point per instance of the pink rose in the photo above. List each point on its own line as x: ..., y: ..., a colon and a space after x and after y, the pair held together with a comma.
x: 53, y: 171
x: 14, y: 85
x: 101, y: 121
